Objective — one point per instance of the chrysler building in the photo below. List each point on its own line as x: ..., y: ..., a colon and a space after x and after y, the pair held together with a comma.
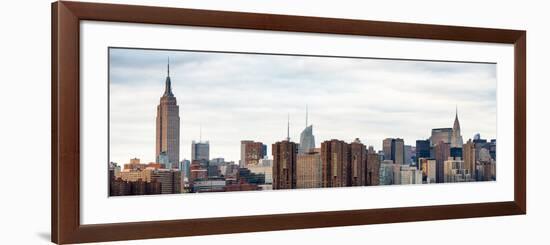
x: 456, y: 136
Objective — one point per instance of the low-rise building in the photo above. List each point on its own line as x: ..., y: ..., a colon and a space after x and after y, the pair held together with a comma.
x: 209, y: 185
x: 410, y: 175
x: 455, y: 171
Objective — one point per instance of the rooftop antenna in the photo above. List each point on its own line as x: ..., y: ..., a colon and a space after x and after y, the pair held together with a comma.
x: 306, y: 116
x: 200, y: 133
x: 168, y: 85
x: 288, y: 128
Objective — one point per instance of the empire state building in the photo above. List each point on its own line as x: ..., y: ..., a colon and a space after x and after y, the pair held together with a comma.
x: 168, y: 126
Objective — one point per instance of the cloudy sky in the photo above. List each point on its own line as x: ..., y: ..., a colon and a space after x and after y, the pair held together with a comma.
x: 235, y: 97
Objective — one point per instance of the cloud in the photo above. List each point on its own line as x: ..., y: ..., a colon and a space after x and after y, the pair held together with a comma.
x: 234, y: 97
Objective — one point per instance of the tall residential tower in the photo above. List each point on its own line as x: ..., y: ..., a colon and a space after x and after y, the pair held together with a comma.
x: 284, y: 162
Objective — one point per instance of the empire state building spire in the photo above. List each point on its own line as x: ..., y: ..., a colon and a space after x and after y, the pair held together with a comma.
x: 168, y: 86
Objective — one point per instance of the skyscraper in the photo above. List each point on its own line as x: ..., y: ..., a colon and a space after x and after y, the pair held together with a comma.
x: 399, y: 151
x: 284, y: 164
x: 168, y: 124
x: 442, y: 152
x: 428, y: 167
x: 440, y: 134
x: 422, y: 149
x: 387, y: 148
x: 477, y: 136
x: 394, y: 149
x: 456, y: 152
x: 358, y: 158
x: 485, y: 169
x: 163, y: 159
x: 469, y: 156
x: 386, y: 173
x: 170, y: 180
x: 335, y: 159
x: 251, y: 153
x: 308, y: 169
x: 479, y: 144
x: 408, y: 154
x: 456, y: 137
x: 184, y: 167
x: 200, y: 152
x: 372, y: 176
x: 307, y: 140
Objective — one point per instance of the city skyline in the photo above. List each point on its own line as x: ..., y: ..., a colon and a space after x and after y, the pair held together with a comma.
x: 369, y: 117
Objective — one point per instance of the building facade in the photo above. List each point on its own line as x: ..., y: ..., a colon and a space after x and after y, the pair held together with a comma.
x: 485, y: 169
x: 387, y: 172
x: 200, y: 151
x: 135, y: 175
x: 387, y: 146
x: 210, y: 185
x: 394, y: 149
x: 372, y: 175
x: 308, y: 169
x: 431, y: 171
x: 422, y: 149
x: 284, y: 164
x: 428, y: 167
x: 409, y: 154
x: 442, y: 152
x: 251, y: 153
x: 399, y: 151
x: 455, y: 171
x: 266, y: 171
x: 121, y: 187
x: 307, y: 140
x: 170, y: 180
x: 358, y: 158
x: 168, y: 125
x: 440, y: 134
x: 410, y: 175
x: 469, y: 156
x: 197, y: 172
x: 335, y: 157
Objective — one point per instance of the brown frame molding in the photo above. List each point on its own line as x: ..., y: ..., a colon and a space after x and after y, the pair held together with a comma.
x: 66, y: 227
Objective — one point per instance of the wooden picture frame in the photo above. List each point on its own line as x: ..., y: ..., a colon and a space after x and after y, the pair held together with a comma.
x: 65, y: 175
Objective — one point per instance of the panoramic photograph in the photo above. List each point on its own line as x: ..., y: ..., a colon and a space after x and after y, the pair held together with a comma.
x: 185, y: 121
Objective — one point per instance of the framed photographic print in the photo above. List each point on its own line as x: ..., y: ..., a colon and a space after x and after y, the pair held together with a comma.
x: 177, y: 122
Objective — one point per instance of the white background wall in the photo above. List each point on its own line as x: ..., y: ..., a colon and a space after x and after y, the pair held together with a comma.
x: 25, y: 121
